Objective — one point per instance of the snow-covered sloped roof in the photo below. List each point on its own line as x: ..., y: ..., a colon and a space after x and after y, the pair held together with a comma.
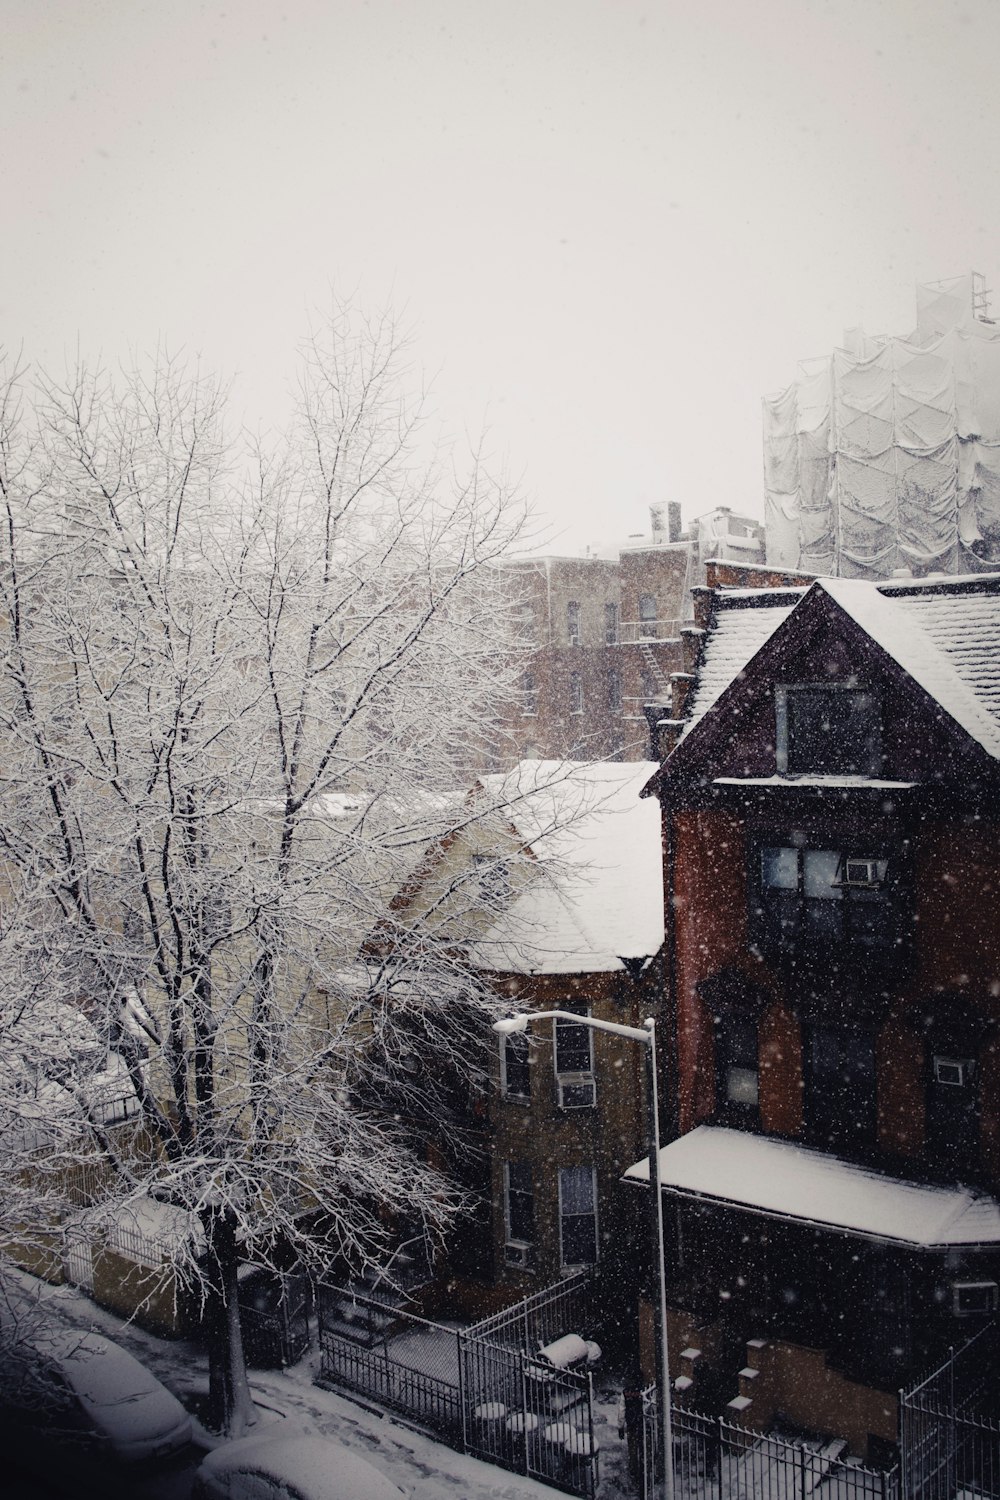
x: 943, y: 632
x: 785, y: 1180
x: 597, y: 896
x: 946, y: 638
x: 738, y: 634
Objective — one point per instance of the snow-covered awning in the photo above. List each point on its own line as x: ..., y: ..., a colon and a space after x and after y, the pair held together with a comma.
x: 787, y: 1181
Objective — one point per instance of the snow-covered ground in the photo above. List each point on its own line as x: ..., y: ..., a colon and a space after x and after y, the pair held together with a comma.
x: 424, y: 1469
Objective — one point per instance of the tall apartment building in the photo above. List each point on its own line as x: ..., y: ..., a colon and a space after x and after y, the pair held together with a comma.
x: 607, y: 631
x: 884, y: 456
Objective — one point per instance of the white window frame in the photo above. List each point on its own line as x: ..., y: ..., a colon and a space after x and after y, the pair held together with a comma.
x: 572, y: 1265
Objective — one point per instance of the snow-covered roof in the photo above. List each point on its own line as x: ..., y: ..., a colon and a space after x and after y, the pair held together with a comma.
x: 947, y: 639
x: 945, y: 633
x: 737, y: 636
x: 598, y: 894
x: 785, y: 1180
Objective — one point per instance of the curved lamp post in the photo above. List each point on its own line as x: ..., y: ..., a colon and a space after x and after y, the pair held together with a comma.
x: 646, y: 1034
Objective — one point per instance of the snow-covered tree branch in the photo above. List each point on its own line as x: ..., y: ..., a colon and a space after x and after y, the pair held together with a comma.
x: 242, y: 693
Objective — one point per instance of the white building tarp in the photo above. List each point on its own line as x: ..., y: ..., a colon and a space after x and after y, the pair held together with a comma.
x: 886, y: 455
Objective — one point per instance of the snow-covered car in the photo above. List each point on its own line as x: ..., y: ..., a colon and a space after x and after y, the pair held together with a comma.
x: 289, y: 1466
x: 78, y: 1397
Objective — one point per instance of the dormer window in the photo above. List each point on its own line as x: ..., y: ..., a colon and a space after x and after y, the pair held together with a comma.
x: 827, y: 731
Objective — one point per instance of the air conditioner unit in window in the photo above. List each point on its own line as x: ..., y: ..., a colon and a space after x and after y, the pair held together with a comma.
x: 519, y: 1253
x: 973, y: 1297
x: 577, y: 1092
x: 861, y: 872
x: 956, y: 1072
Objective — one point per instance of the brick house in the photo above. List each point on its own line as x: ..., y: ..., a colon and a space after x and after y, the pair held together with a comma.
x: 830, y: 819
x: 570, y: 917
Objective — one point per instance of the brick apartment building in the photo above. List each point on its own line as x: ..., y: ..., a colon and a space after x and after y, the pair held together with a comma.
x: 608, y: 633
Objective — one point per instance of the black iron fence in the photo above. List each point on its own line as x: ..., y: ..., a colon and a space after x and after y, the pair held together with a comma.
x: 564, y: 1307
x: 949, y: 1425
x: 716, y: 1459
x: 492, y: 1400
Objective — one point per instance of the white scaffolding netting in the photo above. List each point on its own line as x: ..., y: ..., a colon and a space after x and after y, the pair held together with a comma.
x: 886, y: 455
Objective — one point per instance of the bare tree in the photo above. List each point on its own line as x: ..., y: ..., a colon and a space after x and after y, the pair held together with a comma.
x: 240, y: 696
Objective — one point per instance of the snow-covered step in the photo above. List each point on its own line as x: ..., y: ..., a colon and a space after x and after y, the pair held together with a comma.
x: 822, y: 1463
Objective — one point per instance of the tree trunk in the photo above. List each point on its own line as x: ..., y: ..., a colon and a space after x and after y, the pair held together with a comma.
x: 231, y: 1409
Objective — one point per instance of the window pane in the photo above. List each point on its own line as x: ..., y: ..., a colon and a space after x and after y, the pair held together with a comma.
x: 576, y: 1190
x: 819, y: 874
x: 517, y: 1074
x: 520, y: 1202
x: 833, y: 731
x: 741, y: 1085
x: 572, y: 1048
x: 579, y: 1241
x: 780, y: 868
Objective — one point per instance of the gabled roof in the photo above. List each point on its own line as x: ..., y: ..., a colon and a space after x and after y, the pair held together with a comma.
x: 598, y: 895
x: 944, y: 633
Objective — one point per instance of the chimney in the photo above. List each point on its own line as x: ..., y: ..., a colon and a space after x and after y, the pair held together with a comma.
x: 673, y: 521
x: 656, y: 525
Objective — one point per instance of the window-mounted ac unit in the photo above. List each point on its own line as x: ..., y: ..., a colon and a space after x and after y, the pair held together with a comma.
x: 955, y: 1072
x: 861, y: 872
x: 969, y: 1298
x: 519, y: 1253
x: 577, y: 1092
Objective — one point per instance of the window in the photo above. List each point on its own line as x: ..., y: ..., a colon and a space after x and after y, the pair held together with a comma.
x: 614, y: 691
x: 524, y: 621
x: 840, y: 1087
x: 574, y: 1065
x: 573, y: 623
x: 519, y: 1203
x: 827, y: 895
x: 577, y: 1216
x: 575, y: 693
x: 529, y: 694
x: 493, y: 878
x: 828, y: 731
x: 649, y: 687
x: 611, y: 624
x: 974, y: 1298
x: 573, y: 1047
x: 736, y: 1069
x: 515, y: 1068
x: 647, y: 616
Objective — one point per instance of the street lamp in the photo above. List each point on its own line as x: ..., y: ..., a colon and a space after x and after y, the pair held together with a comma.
x: 646, y: 1034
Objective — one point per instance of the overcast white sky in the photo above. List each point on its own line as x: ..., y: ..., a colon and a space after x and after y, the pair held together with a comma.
x: 613, y: 224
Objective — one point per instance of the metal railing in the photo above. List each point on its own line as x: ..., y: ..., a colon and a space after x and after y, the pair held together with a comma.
x: 635, y: 632
x: 564, y: 1307
x: 949, y: 1426
x: 720, y: 1460
x: 482, y: 1397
